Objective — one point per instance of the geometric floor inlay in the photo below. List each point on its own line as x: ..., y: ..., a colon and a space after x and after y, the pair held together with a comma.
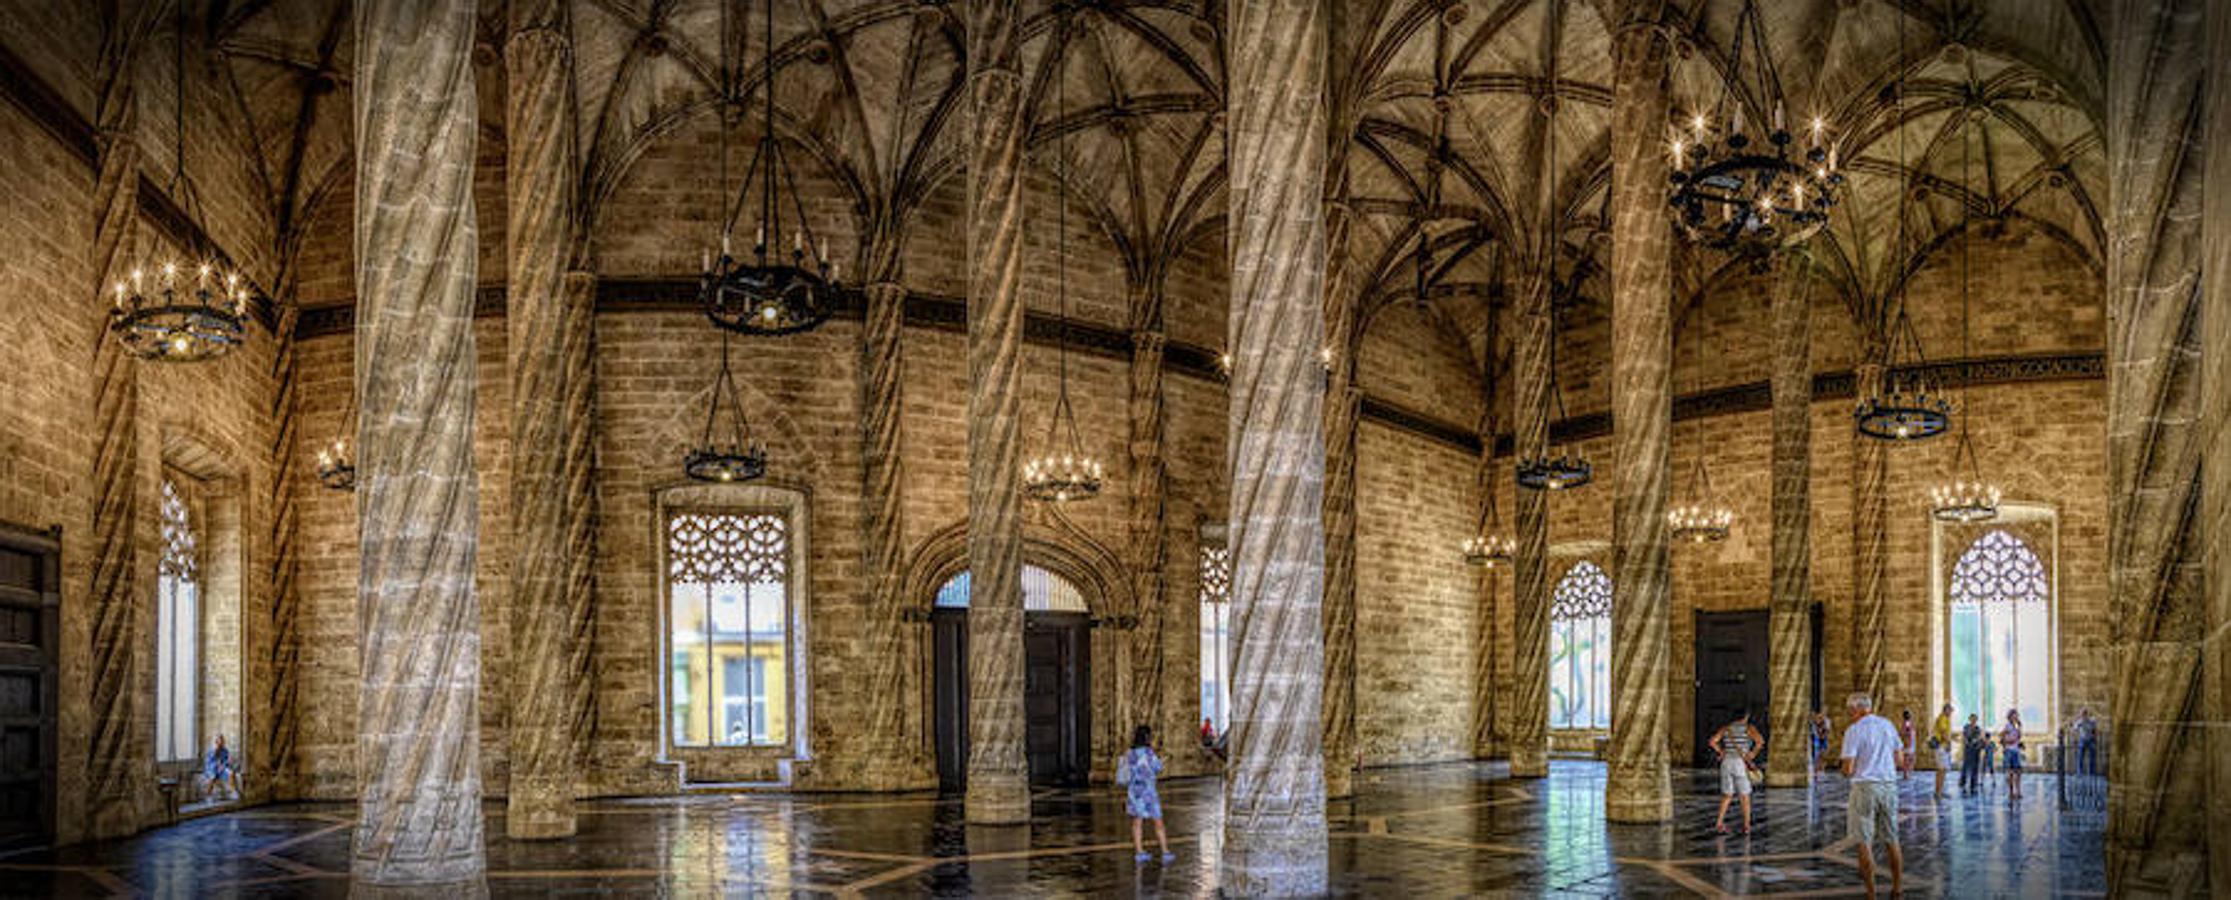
x: 1431, y: 831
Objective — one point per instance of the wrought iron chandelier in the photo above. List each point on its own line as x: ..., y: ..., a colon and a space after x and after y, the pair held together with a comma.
x: 1492, y: 546
x: 336, y: 468
x: 1562, y: 467
x: 1964, y: 495
x: 168, y: 312
x: 1065, y: 472
x: 780, y: 289
x: 1908, y: 404
x: 1705, y: 518
x: 738, y: 458
x: 1732, y: 194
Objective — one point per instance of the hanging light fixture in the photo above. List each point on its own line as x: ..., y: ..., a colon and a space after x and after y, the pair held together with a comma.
x: 1964, y: 495
x: 1908, y: 404
x: 1491, y: 546
x: 786, y: 286
x: 1560, y: 467
x: 169, y: 311
x: 336, y: 468
x: 738, y: 458
x: 1705, y: 518
x: 1065, y: 472
x: 1730, y: 194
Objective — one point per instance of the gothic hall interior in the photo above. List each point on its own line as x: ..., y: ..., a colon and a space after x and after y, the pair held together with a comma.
x: 1431, y: 447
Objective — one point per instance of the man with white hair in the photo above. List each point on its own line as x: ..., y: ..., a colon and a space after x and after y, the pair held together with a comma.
x: 1873, y: 756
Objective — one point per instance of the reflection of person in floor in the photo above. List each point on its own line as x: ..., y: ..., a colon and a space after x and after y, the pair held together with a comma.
x: 1873, y: 757
x: 1738, y: 744
x: 1136, y: 772
x: 218, y: 770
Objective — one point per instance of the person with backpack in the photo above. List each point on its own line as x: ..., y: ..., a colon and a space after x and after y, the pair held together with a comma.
x: 1136, y: 771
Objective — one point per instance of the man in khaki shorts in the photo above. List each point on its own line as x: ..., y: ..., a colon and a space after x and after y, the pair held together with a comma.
x: 1873, y: 756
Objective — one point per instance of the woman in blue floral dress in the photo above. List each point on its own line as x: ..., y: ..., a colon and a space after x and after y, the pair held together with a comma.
x: 1137, y: 770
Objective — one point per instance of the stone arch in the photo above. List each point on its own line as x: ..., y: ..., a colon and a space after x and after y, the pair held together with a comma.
x: 1095, y: 570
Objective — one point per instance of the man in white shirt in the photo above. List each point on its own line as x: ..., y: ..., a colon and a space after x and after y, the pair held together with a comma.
x: 1873, y: 757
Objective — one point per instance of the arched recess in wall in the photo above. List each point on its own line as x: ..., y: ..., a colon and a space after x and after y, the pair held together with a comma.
x: 201, y: 633
x: 1061, y: 549
x: 789, y: 455
x: 1579, y: 643
x: 733, y: 666
x: 1995, y: 617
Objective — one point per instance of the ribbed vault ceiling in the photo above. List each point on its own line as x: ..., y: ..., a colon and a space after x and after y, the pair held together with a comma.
x: 1444, y: 107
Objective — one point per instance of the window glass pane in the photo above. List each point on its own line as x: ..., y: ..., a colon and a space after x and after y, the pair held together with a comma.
x: 2000, y: 633
x: 1579, y: 649
x: 177, y: 628
x: 1216, y: 635
x: 728, y: 577
x: 691, y: 689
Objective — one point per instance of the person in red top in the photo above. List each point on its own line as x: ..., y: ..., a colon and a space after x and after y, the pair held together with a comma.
x: 1208, y: 732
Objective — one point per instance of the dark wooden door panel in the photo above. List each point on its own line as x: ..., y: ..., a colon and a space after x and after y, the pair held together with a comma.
x: 30, y: 604
x: 1732, y: 674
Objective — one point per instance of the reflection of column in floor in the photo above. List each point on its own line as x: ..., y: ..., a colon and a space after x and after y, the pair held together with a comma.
x: 998, y: 770
x: 418, y: 739
x: 1274, y: 821
x: 2169, y: 827
x: 1642, y: 412
x: 1789, y: 647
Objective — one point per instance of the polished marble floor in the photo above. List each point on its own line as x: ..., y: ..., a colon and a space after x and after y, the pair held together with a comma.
x: 1436, y: 831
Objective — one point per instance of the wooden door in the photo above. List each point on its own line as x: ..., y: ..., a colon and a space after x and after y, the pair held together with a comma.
x: 1732, y: 674
x: 30, y: 602
x: 949, y: 647
x: 1056, y: 698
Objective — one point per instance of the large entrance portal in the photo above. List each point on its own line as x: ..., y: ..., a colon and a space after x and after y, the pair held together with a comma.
x: 1057, y: 680
x: 1733, y: 673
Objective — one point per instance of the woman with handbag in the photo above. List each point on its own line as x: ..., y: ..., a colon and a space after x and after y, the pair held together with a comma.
x: 1737, y: 743
x: 1136, y: 771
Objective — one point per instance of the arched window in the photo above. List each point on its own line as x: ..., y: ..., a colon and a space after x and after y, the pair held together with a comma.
x: 1216, y: 635
x: 2000, y: 632
x: 728, y: 581
x: 1580, y: 649
x: 1043, y: 591
x: 177, y: 628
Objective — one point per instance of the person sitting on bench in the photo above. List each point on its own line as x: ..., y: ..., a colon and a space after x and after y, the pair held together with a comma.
x: 219, y: 769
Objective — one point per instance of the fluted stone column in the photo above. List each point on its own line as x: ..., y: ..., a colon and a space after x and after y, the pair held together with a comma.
x: 2163, y: 413
x: 1528, y: 718
x: 895, y: 759
x: 120, y: 758
x: 1789, y: 644
x: 550, y: 323
x: 1274, y: 796
x: 1149, y: 541
x: 1343, y: 403
x: 418, y: 724
x: 1640, y: 788
x: 1870, y: 532
x: 998, y: 771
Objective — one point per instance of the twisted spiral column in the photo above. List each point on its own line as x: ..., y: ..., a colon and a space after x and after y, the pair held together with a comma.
x: 551, y: 322
x: 1528, y: 716
x: 1149, y: 539
x: 1789, y: 644
x: 1870, y: 535
x: 894, y: 757
x: 1640, y: 787
x: 418, y: 826
x: 278, y: 718
x: 1274, y: 795
x: 998, y: 771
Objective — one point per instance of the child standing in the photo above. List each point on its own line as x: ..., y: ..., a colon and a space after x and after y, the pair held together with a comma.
x: 1137, y: 771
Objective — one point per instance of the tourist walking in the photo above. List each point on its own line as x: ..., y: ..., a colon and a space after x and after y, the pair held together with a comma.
x: 1972, y: 753
x: 1872, y: 759
x: 1940, y: 745
x: 1136, y: 772
x: 1820, y: 741
x: 1906, y: 740
x: 2087, y: 742
x: 2010, y: 739
x: 1738, y: 744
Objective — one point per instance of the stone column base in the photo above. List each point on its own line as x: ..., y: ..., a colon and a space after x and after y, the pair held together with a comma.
x: 539, y: 809
x: 1276, y: 860
x: 1529, y: 762
x: 467, y: 889
x: 998, y: 798
x: 1638, y: 809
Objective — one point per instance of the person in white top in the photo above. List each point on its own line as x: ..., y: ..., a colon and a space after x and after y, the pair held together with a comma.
x: 1873, y: 756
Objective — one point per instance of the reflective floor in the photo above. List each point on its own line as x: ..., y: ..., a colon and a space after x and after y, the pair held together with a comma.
x: 1436, y: 831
